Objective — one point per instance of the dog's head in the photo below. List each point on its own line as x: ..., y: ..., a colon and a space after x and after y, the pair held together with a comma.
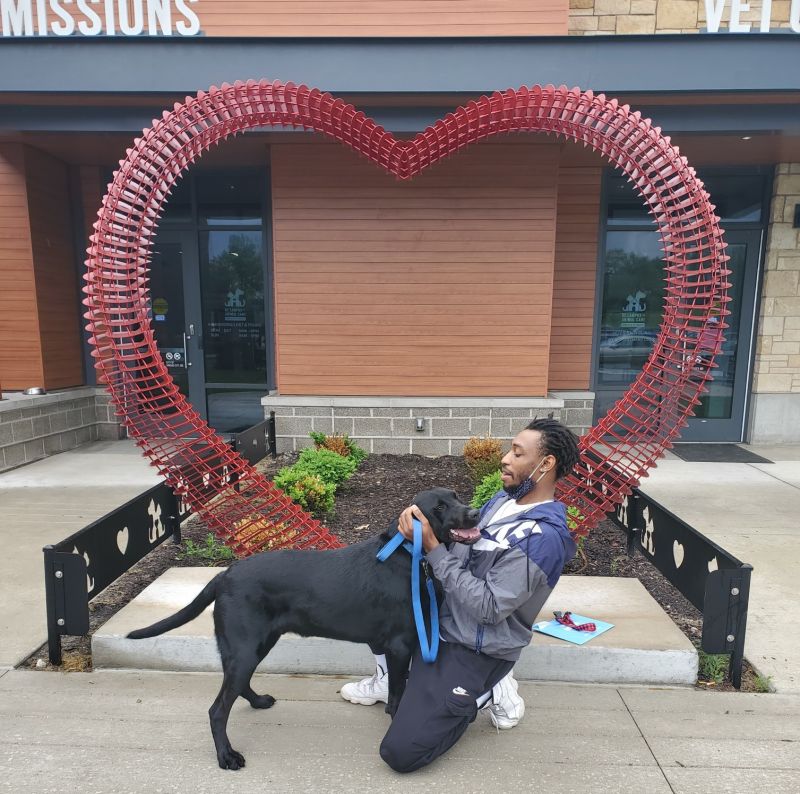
x: 451, y: 520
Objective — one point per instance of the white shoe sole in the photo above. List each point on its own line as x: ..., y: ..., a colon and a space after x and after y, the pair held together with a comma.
x: 362, y: 701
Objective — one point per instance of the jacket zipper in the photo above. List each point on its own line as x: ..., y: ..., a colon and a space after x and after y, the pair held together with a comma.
x: 479, y: 639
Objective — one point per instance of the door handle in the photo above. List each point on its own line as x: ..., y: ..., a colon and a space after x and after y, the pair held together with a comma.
x: 186, y: 362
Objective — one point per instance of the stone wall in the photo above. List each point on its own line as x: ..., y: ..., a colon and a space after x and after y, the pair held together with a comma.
x: 32, y: 428
x: 389, y: 424
x: 776, y: 382
x: 626, y: 17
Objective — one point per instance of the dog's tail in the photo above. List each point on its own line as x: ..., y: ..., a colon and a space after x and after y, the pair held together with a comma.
x: 207, y: 595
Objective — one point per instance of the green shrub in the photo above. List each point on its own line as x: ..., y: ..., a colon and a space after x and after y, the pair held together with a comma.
x: 326, y: 464
x: 356, y: 453
x: 486, y: 489
x: 574, y: 517
x: 318, y: 439
x: 309, y: 490
x: 340, y: 443
x: 210, y: 551
x: 482, y: 456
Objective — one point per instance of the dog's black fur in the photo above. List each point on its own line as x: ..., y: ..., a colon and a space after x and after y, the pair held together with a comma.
x: 345, y: 594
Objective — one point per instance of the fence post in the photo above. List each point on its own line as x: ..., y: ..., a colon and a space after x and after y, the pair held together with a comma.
x: 271, y: 438
x: 175, y: 518
x: 50, y: 582
x: 634, y: 520
x: 739, y: 598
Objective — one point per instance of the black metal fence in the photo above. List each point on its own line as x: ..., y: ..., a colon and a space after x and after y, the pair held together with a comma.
x: 708, y: 576
x: 84, y: 564
x: 254, y: 443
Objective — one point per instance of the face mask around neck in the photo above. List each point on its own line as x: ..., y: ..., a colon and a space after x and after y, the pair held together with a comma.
x: 516, y: 492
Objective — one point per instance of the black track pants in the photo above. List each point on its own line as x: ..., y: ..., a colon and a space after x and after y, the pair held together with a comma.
x: 438, y: 705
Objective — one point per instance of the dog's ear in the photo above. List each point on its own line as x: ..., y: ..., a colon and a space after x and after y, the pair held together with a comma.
x: 426, y: 501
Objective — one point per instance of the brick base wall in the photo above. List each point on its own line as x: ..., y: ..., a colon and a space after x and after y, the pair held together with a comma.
x: 389, y: 424
x: 622, y: 17
x: 32, y: 428
x: 775, y: 413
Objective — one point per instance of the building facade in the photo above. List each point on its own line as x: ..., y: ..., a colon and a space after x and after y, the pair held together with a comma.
x: 520, y: 278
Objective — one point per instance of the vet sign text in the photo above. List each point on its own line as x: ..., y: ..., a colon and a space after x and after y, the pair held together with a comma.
x: 98, y: 18
x: 715, y: 10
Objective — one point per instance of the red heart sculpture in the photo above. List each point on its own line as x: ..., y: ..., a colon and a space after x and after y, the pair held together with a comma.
x: 201, y: 467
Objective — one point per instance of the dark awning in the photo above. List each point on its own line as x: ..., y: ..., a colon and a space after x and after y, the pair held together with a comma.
x: 614, y: 64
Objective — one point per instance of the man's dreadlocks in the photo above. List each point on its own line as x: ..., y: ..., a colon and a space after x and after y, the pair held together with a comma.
x: 558, y: 441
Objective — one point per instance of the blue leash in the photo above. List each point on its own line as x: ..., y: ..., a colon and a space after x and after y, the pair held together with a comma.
x: 429, y: 650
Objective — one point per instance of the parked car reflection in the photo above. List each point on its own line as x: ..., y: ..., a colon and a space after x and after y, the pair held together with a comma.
x: 626, y: 352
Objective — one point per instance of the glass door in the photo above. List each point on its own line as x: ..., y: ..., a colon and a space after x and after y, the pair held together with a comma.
x: 233, y: 327
x: 209, y: 300
x: 175, y: 316
x: 721, y: 413
x: 633, y: 297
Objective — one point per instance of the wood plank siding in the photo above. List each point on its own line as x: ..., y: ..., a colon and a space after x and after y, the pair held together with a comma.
x: 92, y: 189
x: 574, y: 276
x: 57, y: 293
x: 330, y: 18
x: 391, y: 18
x: 440, y: 286
x: 39, y: 302
x: 20, y: 350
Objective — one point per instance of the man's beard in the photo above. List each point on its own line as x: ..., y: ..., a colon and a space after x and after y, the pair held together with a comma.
x: 516, y: 492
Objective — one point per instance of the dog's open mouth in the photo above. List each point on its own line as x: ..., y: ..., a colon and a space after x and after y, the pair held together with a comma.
x: 467, y: 536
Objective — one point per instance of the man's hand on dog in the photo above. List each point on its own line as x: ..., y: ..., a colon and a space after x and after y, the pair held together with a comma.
x: 405, y: 525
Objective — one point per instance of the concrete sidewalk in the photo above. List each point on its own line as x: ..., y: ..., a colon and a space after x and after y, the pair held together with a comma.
x: 134, y: 732
x: 752, y: 510
x: 46, y: 502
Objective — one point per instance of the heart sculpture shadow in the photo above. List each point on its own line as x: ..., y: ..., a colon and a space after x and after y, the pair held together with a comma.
x: 199, y: 465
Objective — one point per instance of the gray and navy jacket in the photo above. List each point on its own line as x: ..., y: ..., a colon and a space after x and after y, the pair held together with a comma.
x: 495, y: 588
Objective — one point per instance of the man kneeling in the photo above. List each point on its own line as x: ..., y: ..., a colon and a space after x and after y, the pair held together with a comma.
x: 493, y: 591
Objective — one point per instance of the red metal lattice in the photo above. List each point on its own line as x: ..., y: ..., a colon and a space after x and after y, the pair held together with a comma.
x: 616, y: 453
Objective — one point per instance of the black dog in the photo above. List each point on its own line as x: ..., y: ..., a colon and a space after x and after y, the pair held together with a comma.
x: 345, y: 594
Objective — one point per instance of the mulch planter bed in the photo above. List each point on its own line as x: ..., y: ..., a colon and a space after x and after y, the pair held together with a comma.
x: 367, y: 503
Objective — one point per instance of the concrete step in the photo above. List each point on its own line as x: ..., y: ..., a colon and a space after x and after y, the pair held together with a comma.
x: 644, y: 647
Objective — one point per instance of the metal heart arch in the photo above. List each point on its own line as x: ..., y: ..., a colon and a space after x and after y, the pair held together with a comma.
x: 615, y: 453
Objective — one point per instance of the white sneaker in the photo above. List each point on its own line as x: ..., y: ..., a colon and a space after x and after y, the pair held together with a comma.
x: 368, y: 691
x: 506, y: 708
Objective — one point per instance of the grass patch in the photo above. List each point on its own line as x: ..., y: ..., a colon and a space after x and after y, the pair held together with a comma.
x: 762, y: 683
x: 713, y: 667
x: 210, y: 552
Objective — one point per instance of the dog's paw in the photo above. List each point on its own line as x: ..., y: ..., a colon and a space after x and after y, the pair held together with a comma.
x: 230, y: 759
x: 262, y: 702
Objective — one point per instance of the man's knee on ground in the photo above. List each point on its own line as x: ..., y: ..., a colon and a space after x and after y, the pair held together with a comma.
x: 400, y: 758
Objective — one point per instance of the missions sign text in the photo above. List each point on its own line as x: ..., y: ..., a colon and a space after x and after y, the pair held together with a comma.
x: 98, y: 18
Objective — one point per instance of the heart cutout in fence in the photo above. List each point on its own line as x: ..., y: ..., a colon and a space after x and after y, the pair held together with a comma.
x: 122, y: 540
x: 677, y: 553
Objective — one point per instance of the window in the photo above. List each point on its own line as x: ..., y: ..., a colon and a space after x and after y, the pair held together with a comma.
x: 633, y: 284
